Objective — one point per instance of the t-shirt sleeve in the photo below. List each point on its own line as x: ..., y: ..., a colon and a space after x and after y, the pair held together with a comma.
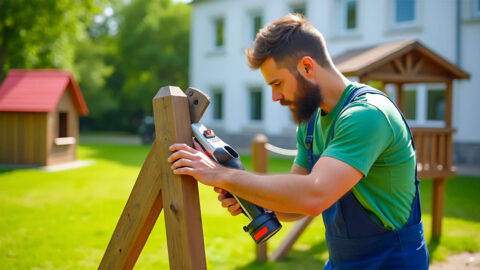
x: 301, y: 159
x: 362, y: 133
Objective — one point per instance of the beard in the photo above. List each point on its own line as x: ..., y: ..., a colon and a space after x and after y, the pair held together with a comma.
x: 308, y: 99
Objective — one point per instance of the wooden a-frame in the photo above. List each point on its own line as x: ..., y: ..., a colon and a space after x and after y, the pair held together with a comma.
x: 158, y: 188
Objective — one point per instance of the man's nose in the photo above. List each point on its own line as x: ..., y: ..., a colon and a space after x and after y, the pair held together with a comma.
x: 276, y: 96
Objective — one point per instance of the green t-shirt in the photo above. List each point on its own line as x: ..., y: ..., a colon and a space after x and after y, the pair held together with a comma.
x: 370, y: 135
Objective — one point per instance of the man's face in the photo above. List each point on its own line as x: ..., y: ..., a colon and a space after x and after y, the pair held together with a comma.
x: 301, y: 96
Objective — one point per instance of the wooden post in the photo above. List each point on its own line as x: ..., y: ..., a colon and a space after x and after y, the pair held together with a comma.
x: 156, y: 186
x: 438, y: 196
x: 260, y: 165
x: 399, y: 95
x: 180, y: 193
x: 138, y: 217
x: 448, y: 104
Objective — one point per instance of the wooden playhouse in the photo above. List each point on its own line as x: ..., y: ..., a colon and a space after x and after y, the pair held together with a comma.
x: 39, y: 112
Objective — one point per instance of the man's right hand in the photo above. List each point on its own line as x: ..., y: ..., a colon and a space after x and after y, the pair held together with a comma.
x: 230, y: 203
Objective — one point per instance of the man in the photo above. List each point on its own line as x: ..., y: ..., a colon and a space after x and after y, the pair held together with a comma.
x: 355, y: 163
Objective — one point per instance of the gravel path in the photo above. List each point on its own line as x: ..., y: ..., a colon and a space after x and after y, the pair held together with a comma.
x: 462, y: 261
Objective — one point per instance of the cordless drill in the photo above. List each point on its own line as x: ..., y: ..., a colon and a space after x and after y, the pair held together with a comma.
x: 263, y: 223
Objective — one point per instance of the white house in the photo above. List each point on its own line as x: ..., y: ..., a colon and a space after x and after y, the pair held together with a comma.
x: 241, y: 101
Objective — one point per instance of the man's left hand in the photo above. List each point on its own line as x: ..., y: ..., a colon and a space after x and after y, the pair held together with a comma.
x: 188, y: 161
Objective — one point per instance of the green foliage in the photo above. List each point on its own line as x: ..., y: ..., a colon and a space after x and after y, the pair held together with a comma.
x: 120, y: 58
x: 64, y: 220
x: 42, y: 33
x: 153, y: 42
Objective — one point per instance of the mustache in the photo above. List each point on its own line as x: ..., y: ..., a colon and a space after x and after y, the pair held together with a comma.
x: 286, y: 102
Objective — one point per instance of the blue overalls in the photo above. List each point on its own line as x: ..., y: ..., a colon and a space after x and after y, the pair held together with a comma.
x: 354, y: 240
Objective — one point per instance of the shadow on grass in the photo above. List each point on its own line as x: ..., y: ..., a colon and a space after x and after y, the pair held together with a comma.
x: 296, y: 259
x: 433, y: 244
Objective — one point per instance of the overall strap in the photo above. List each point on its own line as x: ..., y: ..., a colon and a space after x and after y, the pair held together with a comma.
x: 309, y: 140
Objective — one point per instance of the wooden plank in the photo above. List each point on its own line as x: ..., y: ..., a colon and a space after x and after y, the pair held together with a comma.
x: 399, y: 65
x: 418, y: 66
x: 425, y: 152
x: 3, y: 143
x: 138, y: 217
x: 287, y: 244
x: 396, y: 78
x: 180, y: 193
x: 438, y: 196
x: 260, y: 165
x: 433, y: 152
x: 449, y: 152
x: 441, y: 151
x: 409, y: 63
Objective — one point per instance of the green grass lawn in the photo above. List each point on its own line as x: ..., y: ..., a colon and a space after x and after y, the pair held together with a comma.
x: 64, y: 220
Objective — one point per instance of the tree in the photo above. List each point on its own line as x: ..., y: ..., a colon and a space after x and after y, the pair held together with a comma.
x: 153, y: 46
x: 42, y: 33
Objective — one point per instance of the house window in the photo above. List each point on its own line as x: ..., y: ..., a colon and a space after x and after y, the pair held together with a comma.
x: 351, y: 15
x: 219, y: 30
x: 476, y: 8
x: 218, y: 105
x: 62, y: 125
x: 404, y: 11
x: 436, y: 104
x: 424, y: 105
x: 256, y: 104
x: 299, y: 8
x: 257, y: 23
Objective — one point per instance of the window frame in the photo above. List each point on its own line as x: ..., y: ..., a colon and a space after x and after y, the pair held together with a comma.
x: 214, y: 36
x: 251, y: 24
x: 250, y: 91
x: 343, y: 15
x: 298, y: 5
x: 62, y: 129
x: 215, y: 91
x: 394, y: 24
x: 421, y: 104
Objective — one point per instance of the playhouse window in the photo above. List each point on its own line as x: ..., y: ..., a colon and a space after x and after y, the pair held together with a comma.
x: 62, y: 124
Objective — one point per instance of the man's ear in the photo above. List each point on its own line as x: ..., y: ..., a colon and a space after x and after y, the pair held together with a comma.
x: 306, y: 67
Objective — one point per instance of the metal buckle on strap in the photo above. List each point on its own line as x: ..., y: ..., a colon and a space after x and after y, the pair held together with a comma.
x: 308, y: 141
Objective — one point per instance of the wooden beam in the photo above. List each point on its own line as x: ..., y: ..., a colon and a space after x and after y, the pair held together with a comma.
x: 287, y: 244
x: 179, y: 193
x: 409, y: 63
x: 138, y: 217
x: 399, y: 65
x: 397, y: 78
x: 260, y: 165
x: 438, y: 193
x: 418, y: 66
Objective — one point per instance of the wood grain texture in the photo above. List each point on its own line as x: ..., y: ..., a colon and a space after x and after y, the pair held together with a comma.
x: 180, y: 193
x: 260, y: 165
x: 138, y: 217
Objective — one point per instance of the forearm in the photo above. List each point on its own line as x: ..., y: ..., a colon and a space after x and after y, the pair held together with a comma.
x: 288, y: 193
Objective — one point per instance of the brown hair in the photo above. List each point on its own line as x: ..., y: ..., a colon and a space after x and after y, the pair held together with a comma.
x: 287, y: 40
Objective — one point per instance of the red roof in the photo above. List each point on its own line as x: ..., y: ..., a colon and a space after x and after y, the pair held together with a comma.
x: 39, y: 91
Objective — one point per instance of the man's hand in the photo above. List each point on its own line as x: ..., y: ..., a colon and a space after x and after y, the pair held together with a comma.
x: 188, y: 161
x: 230, y: 203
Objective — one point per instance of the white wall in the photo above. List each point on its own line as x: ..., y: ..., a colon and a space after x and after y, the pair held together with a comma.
x: 435, y: 27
